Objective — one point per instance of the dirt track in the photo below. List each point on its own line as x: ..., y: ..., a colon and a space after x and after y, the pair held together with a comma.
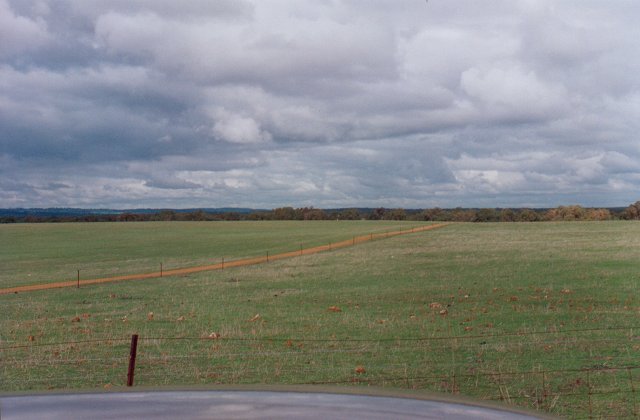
x: 221, y: 265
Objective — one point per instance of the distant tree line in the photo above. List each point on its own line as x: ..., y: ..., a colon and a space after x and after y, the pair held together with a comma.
x: 562, y: 213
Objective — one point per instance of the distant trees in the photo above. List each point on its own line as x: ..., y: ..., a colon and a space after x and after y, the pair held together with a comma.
x: 527, y: 215
x: 458, y: 214
x: 486, y: 215
x: 632, y: 212
x: 129, y: 217
x: 507, y: 215
x: 313, y: 214
x: 348, y: 214
x: 167, y: 215
x: 436, y: 214
x: 568, y: 213
x: 431, y: 215
x: 284, y: 213
x: 378, y: 214
x: 574, y: 213
x: 304, y: 213
x: 462, y: 215
x: 599, y: 214
x: 396, y: 214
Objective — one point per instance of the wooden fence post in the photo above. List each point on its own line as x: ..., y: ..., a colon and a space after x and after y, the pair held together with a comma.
x: 132, y: 359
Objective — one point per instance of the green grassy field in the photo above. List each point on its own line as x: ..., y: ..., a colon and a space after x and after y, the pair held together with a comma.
x: 542, y: 315
x: 41, y: 253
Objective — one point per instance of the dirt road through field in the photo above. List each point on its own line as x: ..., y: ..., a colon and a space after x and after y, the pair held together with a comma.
x: 222, y: 265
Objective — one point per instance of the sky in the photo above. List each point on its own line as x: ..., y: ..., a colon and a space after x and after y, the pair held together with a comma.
x: 324, y: 103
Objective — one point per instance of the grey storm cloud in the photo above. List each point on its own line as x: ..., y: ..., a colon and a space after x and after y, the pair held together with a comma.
x: 114, y: 103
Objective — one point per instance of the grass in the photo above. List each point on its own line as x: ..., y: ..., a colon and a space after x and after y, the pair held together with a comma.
x: 41, y: 253
x: 541, y: 315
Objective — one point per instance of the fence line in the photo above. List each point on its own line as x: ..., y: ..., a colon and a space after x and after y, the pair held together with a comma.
x: 334, y: 340
x: 249, y: 360
x: 391, y: 339
x: 223, y: 264
x: 62, y: 343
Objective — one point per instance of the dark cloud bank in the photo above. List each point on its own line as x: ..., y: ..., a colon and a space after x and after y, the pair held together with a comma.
x: 325, y: 103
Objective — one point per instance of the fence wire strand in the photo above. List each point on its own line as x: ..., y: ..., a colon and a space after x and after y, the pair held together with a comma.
x: 274, y: 359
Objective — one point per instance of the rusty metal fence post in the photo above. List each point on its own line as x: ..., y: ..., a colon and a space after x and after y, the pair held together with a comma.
x: 132, y: 359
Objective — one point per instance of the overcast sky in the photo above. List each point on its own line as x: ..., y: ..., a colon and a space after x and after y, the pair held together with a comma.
x: 325, y: 103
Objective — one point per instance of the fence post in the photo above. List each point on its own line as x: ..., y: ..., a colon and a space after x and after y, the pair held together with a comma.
x: 160, y: 269
x: 132, y: 359
x: 267, y: 256
x: 78, y: 284
x: 544, y: 388
x: 223, y: 263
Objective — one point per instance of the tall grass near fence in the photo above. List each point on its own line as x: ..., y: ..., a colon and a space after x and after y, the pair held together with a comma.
x: 544, y: 316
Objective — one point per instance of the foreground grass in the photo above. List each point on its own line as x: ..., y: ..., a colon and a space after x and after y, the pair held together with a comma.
x: 537, y: 315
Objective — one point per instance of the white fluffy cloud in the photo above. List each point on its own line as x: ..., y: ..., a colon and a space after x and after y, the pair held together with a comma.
x: 514, y: 93
x: 341, y: 103
x: 238, y: 129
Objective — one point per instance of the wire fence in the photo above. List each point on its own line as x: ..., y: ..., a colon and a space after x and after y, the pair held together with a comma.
x: 558, y: 372
x: 80, y: 278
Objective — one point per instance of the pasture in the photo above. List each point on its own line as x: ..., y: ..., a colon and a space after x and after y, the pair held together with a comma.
x: 539, y: 315
x: 43, y: 253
